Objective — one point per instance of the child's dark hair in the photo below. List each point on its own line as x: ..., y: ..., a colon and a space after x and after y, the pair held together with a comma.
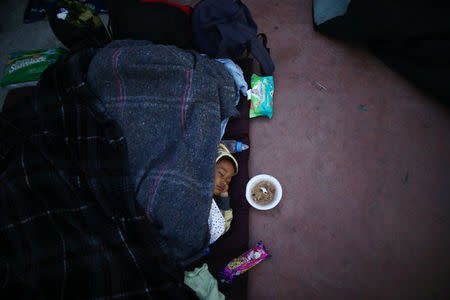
x: 230, y: 160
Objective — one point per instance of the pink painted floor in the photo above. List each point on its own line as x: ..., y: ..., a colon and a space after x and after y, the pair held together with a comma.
x: 364, y: 161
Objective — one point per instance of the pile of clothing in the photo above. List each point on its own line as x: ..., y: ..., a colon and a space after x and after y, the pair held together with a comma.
x: 108, y: 167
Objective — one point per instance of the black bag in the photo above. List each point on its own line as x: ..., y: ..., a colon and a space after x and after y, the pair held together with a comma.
x: 161, y: 22
x: 225, y: 29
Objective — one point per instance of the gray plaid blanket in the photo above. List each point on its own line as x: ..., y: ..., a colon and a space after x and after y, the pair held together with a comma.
x: 169, y: 103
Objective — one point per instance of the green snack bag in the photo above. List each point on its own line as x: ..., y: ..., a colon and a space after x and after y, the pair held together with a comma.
x: 25, y: 68
x: 261, y: 96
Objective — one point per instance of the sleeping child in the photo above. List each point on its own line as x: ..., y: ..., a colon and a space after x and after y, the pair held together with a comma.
x: 221, y: 214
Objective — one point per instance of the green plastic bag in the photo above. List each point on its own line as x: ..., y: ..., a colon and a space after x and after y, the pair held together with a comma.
x: 261, y: 96
x: 25, y: 68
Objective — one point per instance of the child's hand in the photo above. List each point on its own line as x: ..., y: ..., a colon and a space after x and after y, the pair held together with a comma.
x: 224, y: 194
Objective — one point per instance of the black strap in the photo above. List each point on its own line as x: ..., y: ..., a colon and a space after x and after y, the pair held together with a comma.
x: 260, y: 51
x: 264, y: 40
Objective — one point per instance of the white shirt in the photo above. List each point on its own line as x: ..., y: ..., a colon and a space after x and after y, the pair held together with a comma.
x: 216, y: 223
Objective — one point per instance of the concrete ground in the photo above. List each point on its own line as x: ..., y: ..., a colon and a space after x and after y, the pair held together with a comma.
x: 363, y: 158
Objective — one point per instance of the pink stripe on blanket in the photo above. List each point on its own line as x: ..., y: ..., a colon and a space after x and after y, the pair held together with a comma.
x: 147, y: 210
x: 113, y: 63
x: 184, y: 101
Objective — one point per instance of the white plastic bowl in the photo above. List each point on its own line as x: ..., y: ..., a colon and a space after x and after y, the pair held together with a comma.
x: 255, y: 180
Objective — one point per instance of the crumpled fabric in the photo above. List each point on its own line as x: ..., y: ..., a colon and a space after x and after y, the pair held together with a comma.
x: 240, y: 82
x: 203, y: 283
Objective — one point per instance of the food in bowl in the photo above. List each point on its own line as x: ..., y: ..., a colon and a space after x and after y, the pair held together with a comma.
x: 263, y: 192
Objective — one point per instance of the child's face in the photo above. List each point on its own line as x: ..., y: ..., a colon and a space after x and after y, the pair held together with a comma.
x: 223, y: 174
